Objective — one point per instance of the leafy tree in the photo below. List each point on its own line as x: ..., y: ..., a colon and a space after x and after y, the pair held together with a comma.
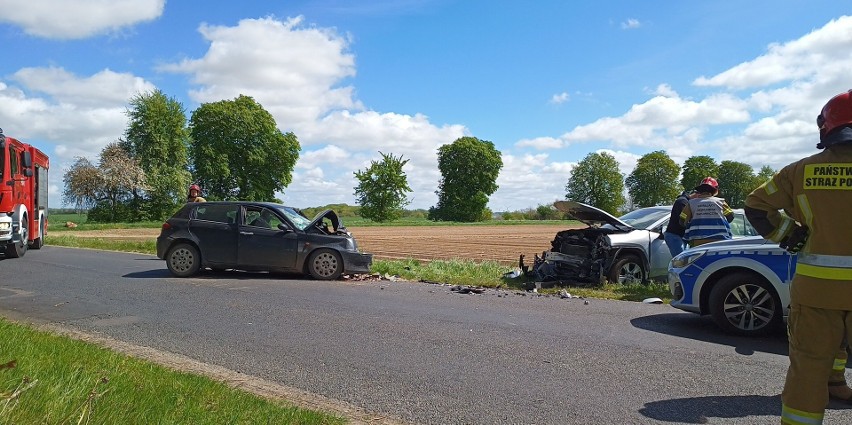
x: 381, y: 189
x: 596, y: 181
x: 469, y: 169
x: 736, y: 181
x: 696, y: 168
x: 111, y: 190
x: 158, y: 139
x: 766, y: 172
x: 654, y: 180
x: 82, y: 184
x: 237, y: 151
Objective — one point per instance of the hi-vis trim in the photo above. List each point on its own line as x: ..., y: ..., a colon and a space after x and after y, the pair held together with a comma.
x: 828, y: 176
x: 793, y: 416
x: 770, y: 186
x: 824, y: 260
x: 839, y: 365
x: 805, y: 206
x: 821, y: 272
x: 784, y: 227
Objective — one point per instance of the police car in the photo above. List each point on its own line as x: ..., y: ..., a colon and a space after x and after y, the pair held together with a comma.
x: 744, y: 284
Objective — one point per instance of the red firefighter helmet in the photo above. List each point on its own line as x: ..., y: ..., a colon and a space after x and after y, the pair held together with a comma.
x: 708, y: 182
x: 835, y: 114
x: 194, y: 187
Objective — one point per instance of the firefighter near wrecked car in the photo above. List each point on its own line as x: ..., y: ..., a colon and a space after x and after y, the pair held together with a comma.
x: 23, y: 196
x: 816, y: 227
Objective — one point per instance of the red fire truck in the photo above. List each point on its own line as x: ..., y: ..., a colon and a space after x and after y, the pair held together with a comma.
x: 23, y: 196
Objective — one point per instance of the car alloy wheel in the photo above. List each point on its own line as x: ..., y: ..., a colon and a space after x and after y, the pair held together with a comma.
x: 743, y: 304
x: 183, y: 260
x: 325, y: 264
x: 627, y: 270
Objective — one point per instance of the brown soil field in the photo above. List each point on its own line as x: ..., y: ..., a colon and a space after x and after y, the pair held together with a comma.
x: 503, y: 244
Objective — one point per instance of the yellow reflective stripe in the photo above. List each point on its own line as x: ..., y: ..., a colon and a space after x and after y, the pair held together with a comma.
x: 770, y: 186
x: 821, y: 272
x: 805, y: 206
x: 843, y: 261
x: 839, y: 364
x: 793, y: 416
x: 782, y: 230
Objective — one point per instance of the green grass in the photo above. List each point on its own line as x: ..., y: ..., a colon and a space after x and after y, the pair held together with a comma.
x: 50, y: 379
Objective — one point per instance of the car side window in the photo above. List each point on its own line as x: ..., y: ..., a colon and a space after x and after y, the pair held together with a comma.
x: 741, y: 227
x: 216, y: 213
x: 262, y: 217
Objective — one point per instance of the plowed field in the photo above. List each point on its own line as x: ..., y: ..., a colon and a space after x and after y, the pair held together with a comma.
x: 503, y: 244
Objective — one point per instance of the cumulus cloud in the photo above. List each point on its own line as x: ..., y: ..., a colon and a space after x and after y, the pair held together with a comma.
x: 798, y: 59
x: 80, y: 115
x: 265, y: 58
x: 75, y: 19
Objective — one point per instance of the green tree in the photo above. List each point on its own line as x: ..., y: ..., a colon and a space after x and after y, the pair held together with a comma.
x: 157, y: 137
x: 596, y: 181
x: 469, y: 169
x: 110, y: 190
x: 82, y: 183
x: 382, y: 189
x: 654, y: 180
x: 237, y: 151
x: 696, y: 168
x: 736, y: 181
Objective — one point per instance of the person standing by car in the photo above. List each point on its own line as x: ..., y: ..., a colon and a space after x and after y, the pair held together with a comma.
x: 194, y: 194
x: 674, y: 233
x: 815, y: 193
x: 706, y: 217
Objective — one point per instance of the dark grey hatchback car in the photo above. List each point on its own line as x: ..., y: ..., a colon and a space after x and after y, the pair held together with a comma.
x: 258, y: 236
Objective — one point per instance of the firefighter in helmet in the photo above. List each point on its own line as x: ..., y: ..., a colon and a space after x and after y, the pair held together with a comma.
x: 194, y: 194
x: 814, y: 193
x: 706, y: 217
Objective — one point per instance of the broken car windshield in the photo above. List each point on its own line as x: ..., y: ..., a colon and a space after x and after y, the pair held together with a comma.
x: 298, y: 220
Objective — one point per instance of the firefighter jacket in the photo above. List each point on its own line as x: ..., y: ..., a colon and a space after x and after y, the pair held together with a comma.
x: 707, y: 218
x: 815, y: 192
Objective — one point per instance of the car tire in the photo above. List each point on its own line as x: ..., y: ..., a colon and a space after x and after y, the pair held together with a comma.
x: 745, y: 304
x: 627, y: 269
x: 325, y: 264
x: 183, y: 260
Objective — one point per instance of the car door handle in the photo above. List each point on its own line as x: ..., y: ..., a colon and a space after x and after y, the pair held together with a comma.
x: 247, y: 233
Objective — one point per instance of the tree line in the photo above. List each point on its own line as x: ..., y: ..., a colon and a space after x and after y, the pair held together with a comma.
x: 234, y: 150
x: 657, y: 180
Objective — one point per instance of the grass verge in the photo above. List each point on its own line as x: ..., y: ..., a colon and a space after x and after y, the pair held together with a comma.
x: 45, y: 378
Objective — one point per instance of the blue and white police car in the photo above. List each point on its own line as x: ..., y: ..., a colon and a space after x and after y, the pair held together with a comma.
x: 744, y: 284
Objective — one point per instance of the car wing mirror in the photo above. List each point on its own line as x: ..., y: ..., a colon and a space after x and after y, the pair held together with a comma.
x: 283, y: 227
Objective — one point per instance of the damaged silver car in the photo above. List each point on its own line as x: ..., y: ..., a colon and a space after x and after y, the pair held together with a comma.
x: 627, y: 249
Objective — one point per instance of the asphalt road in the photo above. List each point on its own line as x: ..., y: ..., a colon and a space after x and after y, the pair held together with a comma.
x: 417, y: 351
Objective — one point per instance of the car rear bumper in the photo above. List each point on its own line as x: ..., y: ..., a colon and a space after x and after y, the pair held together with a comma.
x: 356, y: 262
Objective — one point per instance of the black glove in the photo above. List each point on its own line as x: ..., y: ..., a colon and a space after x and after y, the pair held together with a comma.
x: 796, y: 240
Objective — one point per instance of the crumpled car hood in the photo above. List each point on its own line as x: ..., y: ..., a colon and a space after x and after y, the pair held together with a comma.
x: 590, y: 215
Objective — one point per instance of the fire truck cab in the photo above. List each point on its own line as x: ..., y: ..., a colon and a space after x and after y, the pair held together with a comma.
x: 23, y: 196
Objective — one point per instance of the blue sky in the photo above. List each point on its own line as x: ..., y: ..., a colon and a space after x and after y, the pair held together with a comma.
x: 547, y: 81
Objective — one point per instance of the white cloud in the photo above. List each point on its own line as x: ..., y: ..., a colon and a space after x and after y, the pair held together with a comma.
x: 802, y: 58
x: 560, y: 98
x: 74, y: 19
x: 630, y: 24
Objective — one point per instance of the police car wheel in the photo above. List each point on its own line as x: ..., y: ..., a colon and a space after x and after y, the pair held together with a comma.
x: 745, y: 304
